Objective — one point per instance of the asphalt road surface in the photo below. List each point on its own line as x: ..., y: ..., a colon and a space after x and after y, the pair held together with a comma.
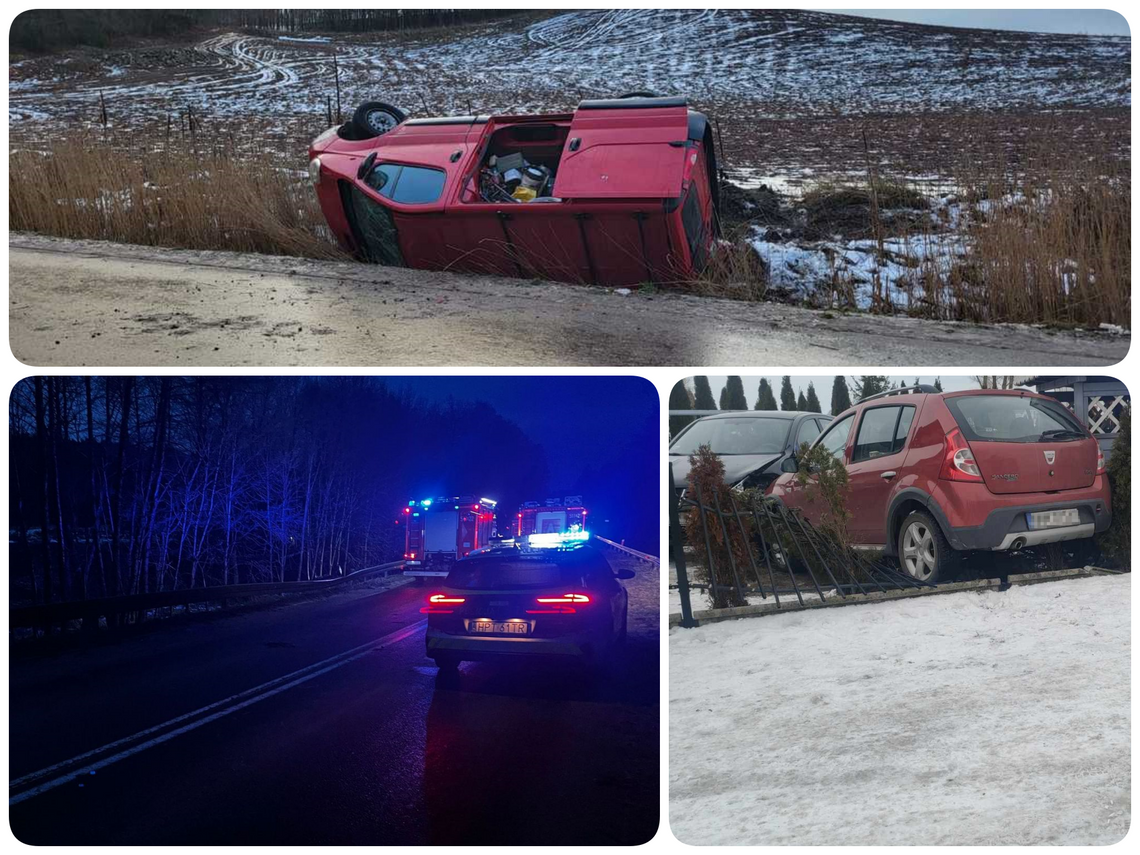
x: 322, y: 722
x: 76, y: 303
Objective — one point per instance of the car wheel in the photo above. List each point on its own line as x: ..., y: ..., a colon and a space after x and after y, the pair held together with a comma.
x: 623, y: 633
x: 375, y: 118
x: 924, y: 552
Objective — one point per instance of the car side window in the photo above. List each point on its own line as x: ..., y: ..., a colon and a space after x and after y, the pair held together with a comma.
x: 418, y: 186
x: 809, y: 430
x: 408, y: 185
x: 882, y: 432
x: 835, y: 439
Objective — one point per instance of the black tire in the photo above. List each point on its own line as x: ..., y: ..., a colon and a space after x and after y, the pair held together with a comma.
x: 623, y: 633
x: 375, y: 118
x: 928, y: 547
x: 639, y: 95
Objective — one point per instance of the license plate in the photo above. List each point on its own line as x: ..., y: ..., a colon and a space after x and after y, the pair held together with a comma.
x: 499, y: 627
x: 1053, y: 519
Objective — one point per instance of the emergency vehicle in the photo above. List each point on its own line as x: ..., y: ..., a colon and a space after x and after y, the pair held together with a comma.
x: 443, y: 530
x: 554, y: 516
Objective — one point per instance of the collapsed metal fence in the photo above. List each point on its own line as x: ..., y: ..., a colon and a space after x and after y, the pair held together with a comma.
x: 783, y: 555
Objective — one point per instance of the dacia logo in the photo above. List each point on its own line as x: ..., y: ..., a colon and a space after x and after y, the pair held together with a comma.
x: 1012, y: 476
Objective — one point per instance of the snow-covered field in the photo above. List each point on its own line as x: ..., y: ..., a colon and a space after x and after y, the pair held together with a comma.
x: 747, y: 67
x: 970, y: 719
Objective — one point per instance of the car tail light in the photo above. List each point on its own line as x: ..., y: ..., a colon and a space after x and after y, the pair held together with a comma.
x: 561, y: 605
x: 1100, y: 470
x: 441, y: 604
x: 959, y: 463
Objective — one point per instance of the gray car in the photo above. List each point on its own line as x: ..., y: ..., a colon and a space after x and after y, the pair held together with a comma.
x: 752, y: 444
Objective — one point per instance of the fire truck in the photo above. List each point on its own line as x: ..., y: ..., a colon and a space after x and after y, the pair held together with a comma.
x: 555, y: 516
x: 440, y: 531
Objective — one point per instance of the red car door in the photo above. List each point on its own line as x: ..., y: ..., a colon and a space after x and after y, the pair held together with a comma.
x: 875, y: 467
x: 803, y: 498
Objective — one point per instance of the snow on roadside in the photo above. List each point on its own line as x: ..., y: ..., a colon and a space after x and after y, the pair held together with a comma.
x: 995, y: 718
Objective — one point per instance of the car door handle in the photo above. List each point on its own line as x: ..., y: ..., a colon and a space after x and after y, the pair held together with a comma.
x: 887, y: 476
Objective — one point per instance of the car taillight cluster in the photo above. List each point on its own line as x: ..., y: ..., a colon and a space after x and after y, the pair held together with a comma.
x: 566, y: 604
x: 959, y: 463
x: 441, y: 604
x: 1100, y: 470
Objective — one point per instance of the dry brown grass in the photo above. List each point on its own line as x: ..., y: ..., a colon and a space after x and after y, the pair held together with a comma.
x: 180, y: 197
x: 1052, y: 249
x: 1047, y: 237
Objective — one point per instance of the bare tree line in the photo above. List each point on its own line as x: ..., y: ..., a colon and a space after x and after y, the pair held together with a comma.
x: 52, y: 29
x: 131, y: 485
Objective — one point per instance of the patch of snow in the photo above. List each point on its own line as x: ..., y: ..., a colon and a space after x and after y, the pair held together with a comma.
x: 955, y: 719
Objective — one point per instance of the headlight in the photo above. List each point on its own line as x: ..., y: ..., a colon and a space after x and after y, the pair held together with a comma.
x: 315, y: 171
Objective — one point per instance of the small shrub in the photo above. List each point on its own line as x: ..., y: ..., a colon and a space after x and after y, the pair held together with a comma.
x: 706, y: 479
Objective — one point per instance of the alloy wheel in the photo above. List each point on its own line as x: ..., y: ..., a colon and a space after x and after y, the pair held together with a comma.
x: 918, y: 551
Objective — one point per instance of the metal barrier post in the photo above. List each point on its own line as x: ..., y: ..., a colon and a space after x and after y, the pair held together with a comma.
x: 678, y: 548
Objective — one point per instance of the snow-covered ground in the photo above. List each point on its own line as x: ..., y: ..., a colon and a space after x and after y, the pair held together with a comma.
x: 995, y: 718
x: 775, y: 61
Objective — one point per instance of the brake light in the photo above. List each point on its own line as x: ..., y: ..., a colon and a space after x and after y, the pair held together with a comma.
x: 566, y: 598
x: 959, y: 463
x: 439, y: 604
x: 563, y: 605
x: 1100, y: 470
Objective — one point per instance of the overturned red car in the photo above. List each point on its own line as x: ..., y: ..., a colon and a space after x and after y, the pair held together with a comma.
x: 620, y: 192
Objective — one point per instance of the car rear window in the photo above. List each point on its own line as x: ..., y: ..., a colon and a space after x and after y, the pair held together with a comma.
x: 747, y: 435
x: 488, y: 574
x: 882, y: 432
x: 1013, y: 418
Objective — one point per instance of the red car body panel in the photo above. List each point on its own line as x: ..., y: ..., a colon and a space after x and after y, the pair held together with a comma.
x: 1016, y: 478
x: 634, y: 183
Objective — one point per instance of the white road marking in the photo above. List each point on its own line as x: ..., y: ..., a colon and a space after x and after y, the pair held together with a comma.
x: 235, y: 702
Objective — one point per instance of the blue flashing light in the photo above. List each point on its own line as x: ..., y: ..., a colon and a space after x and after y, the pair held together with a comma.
x: 426, y: 503
x: 555, y: 539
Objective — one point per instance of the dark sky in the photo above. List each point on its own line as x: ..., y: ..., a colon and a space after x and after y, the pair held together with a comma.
x: 1087, y: 21
x: 601, y: 436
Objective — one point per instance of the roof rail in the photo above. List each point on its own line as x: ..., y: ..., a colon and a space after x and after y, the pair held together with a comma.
x: 922, y: 389
x: 633, y: 103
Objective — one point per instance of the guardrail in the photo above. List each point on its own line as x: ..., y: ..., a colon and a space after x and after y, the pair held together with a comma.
x: 621, y: 547
x: 90, y: 611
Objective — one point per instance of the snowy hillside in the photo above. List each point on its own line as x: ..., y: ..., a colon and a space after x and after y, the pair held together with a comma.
x: 773, y: 62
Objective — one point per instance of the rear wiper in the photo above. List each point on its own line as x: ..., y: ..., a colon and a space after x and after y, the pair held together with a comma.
x: 1061, y: 433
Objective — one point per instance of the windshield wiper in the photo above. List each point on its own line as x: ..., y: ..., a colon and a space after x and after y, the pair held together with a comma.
x: 1061, y: 433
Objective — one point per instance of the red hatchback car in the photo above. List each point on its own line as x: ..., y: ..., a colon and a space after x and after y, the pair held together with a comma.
x: 619, y: 192
x: 933, y: 475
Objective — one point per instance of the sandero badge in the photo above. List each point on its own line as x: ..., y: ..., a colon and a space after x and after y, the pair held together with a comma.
x: 618, y: 193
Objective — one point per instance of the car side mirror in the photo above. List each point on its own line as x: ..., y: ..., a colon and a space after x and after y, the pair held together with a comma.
x: 790, y: 464
x: 625, y: 574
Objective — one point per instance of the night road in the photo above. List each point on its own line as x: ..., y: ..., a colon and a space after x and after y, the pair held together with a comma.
x: 325, y: 724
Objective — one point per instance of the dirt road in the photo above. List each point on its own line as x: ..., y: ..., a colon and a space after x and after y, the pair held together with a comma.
x: 76, y: 303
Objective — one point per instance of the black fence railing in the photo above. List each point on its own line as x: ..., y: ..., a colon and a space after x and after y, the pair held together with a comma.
x: 765, y: 550
x: 135, y: 608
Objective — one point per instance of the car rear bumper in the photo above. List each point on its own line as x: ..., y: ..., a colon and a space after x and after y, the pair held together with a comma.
x: 495, y: 647
x: 1008, y: 528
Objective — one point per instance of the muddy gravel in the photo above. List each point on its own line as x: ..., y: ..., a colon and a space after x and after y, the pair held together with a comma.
x: 87, y: 303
